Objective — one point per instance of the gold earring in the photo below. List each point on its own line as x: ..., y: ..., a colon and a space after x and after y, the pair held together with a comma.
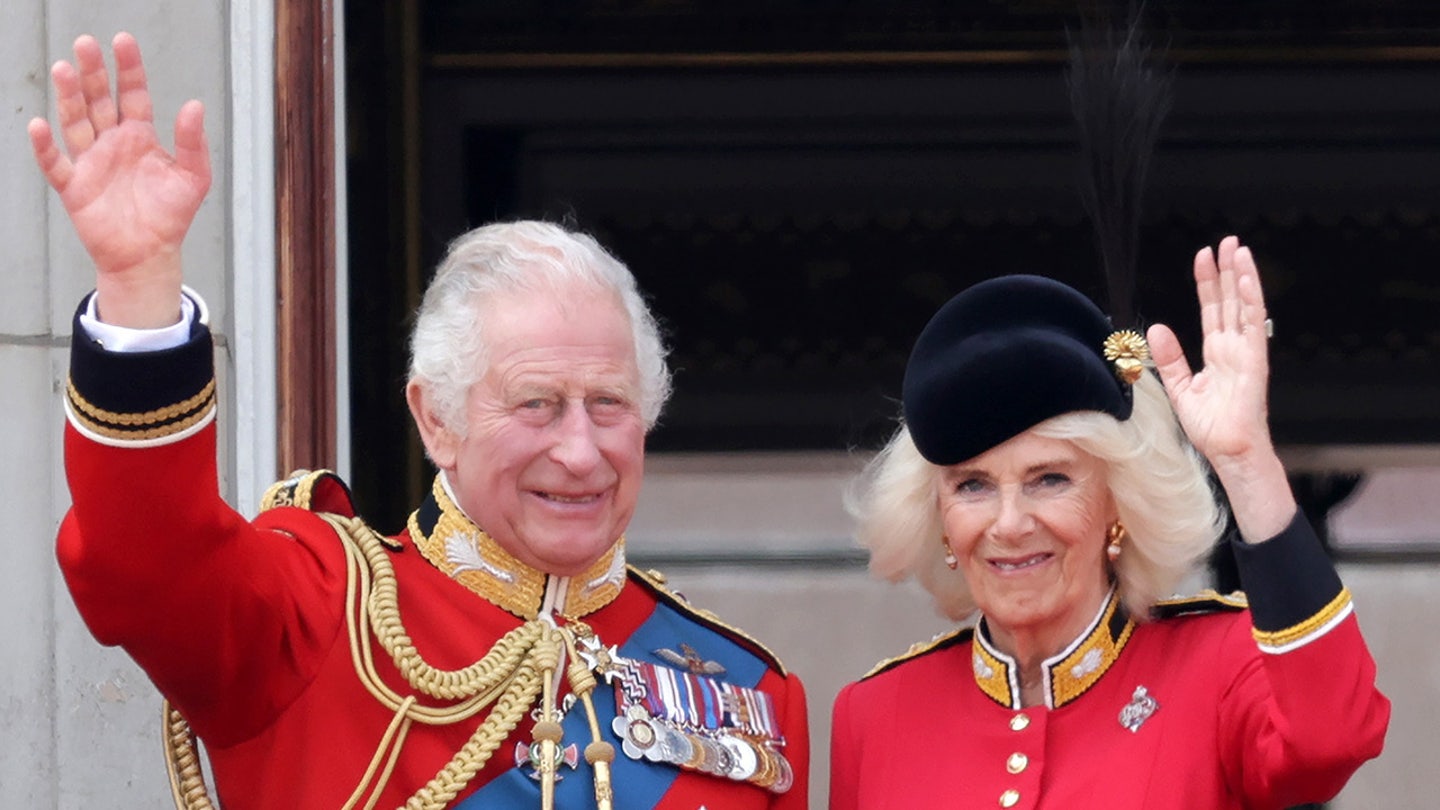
x: 951, y: 561
x: 1115, y: 540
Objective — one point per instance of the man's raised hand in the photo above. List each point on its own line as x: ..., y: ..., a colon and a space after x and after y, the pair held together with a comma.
x: 130, y: 200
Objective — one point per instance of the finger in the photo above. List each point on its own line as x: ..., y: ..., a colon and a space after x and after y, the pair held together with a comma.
x: 1229, y: 296
x: 1252, y: 299
x: 71, y: 110
x: 1169, y: 359
x: 1207, y: 289
x: 52, y: 162
x: 192, y: 152
x: 130, y: 84
x: 94, y: 84
x: 1245, y: 267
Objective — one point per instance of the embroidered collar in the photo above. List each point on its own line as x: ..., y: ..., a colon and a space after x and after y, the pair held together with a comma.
x: 454, y: 544
x: 1067, y: 675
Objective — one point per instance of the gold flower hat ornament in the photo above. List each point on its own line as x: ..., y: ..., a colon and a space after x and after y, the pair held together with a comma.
x: 1129, y: 352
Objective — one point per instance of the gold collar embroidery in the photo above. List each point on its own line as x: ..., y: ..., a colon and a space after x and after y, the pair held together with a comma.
x: 1067, y: 675
x: 455, y: 545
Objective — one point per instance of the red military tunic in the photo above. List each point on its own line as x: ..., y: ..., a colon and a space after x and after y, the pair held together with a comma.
x: 1211, y: 706
x: 242, y: 625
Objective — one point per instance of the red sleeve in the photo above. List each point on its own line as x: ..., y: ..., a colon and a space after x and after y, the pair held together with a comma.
x: 797, y: 747
x: 1295, y: 725
x: 1303, y: 712
x: 844, y: 755
x: 229, y: 619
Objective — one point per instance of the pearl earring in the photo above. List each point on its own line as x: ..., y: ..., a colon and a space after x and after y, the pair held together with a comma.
x: 1115, y: 538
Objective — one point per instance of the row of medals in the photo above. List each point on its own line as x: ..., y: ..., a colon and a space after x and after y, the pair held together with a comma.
x: 718, y: 753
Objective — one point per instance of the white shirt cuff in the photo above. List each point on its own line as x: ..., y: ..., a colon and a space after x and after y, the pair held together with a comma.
x: 120, y: 339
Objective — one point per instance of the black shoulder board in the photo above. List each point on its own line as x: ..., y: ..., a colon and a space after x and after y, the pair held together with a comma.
x: 1207, y: 601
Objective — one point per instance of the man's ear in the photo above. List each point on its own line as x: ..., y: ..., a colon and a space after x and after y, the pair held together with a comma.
x: 442, y: 445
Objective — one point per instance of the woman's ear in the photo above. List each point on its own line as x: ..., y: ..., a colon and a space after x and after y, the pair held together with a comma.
x: 1112, y: 507
x: 442, y: 444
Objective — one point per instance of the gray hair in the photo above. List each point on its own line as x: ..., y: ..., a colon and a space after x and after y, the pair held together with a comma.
x: 1159, y: 482
x: 448, y: 348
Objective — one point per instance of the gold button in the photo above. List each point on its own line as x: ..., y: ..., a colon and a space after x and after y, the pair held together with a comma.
x: 1019, y: 722
x: 1010, y: 798
x: 1017, y: 762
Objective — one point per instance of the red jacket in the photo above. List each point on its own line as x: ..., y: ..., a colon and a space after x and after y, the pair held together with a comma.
x: 242, y: 624
x: 1214, y: 721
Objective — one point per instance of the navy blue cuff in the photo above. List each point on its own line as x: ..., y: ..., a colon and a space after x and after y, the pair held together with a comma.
x: 140, y: 395
x: 1291, y: 584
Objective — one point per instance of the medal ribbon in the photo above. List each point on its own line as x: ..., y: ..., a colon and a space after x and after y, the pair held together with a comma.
x: 696, y: 701
x: 709, y: 699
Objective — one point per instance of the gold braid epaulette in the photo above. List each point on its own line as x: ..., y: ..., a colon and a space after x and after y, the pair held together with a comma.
x: 296, y: 490
x: 654, y: 581
x: 920, y: 648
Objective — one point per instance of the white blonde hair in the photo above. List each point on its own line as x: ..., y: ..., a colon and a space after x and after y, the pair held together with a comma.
x: 1159, y: 482
x: 448, y: 348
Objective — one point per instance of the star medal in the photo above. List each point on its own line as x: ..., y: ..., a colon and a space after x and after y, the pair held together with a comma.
x: 636, y: 730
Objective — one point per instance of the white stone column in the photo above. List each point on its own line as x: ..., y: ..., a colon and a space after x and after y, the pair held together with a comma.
x: 81, y: 721
x: 29, y: 351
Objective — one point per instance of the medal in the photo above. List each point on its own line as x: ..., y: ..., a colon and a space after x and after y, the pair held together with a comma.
x: 743, y: 760
x: 636, y: 730
x: 724, y: 761
x: 786, y: 777
x: 675, y: 747
x: 530, y: 755
x: 690, y: 720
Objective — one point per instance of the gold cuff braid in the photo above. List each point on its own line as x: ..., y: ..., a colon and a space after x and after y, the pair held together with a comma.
x: 1307, y: 629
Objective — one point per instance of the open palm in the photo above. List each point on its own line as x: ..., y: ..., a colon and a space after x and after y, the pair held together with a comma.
x: 1223, y: 406
x: 130, y: 201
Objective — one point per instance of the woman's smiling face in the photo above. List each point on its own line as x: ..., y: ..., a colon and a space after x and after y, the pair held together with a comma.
x: 1027, y: 520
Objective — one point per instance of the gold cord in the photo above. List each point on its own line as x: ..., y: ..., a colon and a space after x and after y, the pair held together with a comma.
x: 182, y: 762
x: 399, y: 726
x: 508, y: 679
x: 548, y: 731
x: 599, y: 753
x: 510, y: 676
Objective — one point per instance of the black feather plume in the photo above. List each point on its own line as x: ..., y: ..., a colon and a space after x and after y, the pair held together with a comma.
x: 1119, y: 98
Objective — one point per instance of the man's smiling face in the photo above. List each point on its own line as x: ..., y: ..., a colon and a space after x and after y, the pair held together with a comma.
x: 553, y: 449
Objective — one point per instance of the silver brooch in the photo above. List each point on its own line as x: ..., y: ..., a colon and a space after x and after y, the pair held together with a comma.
x: 1138, y: 710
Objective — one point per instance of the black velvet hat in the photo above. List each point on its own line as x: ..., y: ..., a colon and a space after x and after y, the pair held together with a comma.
x: 1004, y: 356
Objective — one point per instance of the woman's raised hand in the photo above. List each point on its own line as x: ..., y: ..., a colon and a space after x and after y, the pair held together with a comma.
x: 131, y: 201
x: 1223, y: 407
